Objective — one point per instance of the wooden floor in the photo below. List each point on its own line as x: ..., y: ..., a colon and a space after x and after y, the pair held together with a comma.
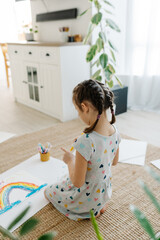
x: 19, y: 119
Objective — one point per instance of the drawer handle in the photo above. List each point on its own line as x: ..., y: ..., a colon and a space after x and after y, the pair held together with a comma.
x: 30, y: 53
x: 47, y: 54
x: 16, y: 51
x: 25, y: 82
x: 41, y: 86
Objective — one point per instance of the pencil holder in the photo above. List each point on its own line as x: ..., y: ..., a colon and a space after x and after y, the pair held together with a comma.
x: 45, y: 156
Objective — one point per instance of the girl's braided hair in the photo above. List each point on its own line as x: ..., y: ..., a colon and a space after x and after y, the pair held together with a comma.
x: 96, y: 93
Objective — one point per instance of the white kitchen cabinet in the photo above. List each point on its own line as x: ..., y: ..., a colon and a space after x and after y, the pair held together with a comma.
x: 44, y: 76
x: 51, y: 89
x: 32, y: 81
x: 20, y: 88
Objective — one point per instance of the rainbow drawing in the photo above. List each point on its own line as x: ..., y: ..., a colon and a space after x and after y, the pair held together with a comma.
x: 5, y: 191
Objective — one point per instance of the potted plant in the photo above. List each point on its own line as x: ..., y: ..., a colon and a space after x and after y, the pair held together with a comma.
x: 28, y: 31
x: 101, y: 53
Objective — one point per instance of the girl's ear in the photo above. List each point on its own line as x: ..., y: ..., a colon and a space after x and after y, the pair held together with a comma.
x: 85, y: 107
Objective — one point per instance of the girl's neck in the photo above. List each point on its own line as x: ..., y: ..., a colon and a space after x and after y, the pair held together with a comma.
x: 103, y: 126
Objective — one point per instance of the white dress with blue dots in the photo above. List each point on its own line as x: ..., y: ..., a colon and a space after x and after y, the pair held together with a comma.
x: 75, y: 203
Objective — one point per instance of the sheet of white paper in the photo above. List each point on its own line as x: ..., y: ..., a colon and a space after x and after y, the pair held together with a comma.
x: 48, y: 172
x: 17, y: 188
x: 132, y: 152
x: 5, y: 136
x: 156, y: 163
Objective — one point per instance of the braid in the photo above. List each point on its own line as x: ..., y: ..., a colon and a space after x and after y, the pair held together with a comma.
x: 109, y: 100
x: 91, y: 91
x: 96, y: 93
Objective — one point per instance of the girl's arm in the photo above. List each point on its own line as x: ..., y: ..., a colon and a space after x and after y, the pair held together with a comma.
x: 115, y: 160
x: 80, y: 170
x: 77, y: 166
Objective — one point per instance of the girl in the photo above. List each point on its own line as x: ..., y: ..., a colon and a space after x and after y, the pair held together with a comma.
x: 88, y: 185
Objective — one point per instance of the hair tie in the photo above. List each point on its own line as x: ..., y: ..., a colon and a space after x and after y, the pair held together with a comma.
x: 98, y: 117
x: 112, y: 111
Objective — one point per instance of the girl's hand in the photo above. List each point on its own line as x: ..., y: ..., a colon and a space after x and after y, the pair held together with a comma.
x: 68, y: 156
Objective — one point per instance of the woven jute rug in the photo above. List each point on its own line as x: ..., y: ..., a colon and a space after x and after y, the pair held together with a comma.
x: 117, y: 223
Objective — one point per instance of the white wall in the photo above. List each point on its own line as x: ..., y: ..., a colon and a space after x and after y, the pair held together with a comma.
x: 49, y: 31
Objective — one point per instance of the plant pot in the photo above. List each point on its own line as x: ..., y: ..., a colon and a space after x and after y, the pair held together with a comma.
x: 29, y: 36
x: 120, y: 99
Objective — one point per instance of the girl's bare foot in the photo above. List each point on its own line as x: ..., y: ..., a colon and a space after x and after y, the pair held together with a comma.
x: 104, y: 208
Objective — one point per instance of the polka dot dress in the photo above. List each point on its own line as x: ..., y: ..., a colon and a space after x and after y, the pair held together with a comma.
x: 99, y: 152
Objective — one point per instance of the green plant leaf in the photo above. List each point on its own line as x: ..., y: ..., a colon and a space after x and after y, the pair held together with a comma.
x: 108, y: 73
x: 95, y: 225
x: 102, y: 35
x: 100, y: 44
x: 90, y: 30
x: 113, y: 56
x: 97, y: 4
x: 143, y: 221
x: 111, y: 68
x: 110, y: 83
x: 99, y: 78
x: 108, y: 3
x: 84, y: 12
x: 112, y: 46
x: 107, y: 11
x: 150, y: 195
x: 48, y: 236
x: 28, y: 226
x: 96, y: 62
x: 17, y: 219
x: 5, y: 233
x: 152, y: 173
x: 96, y: 18
x: 96, y: 74
x: 112, y: 25
x: 91, y: 53
x: 119, y: 81
x: 103, y: 60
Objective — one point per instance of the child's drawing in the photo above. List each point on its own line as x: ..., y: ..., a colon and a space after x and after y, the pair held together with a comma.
x: 17, y: 188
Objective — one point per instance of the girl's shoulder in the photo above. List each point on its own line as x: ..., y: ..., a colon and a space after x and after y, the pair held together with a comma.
x: 84, y: 137
x: 95, y: 136
x: 84, y: 145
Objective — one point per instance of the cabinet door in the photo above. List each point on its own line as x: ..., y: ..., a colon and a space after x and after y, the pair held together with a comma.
x: 19, y: 85
x: 51, y: 89
x: 32, y: 79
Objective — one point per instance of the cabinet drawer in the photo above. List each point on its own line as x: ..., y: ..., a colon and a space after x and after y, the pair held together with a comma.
x: 50, y: 55
x: 15, y: 51
x: 31, y: 53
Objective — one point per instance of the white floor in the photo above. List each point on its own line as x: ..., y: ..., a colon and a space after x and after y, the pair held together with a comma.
x: 19, y: 119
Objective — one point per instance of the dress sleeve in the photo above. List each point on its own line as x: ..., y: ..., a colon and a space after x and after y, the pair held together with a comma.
x: 118, y: 138
x: 84, y: 146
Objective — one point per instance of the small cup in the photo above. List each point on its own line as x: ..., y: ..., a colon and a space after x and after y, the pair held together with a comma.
x: 64, y: 36
x: 70, y: 38
x: 45, y: 156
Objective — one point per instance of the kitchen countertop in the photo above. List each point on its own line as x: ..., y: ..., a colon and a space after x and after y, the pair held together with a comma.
x: 47, y: 44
